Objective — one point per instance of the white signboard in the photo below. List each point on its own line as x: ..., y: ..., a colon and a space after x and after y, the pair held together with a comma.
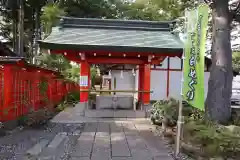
x: 84, y: 81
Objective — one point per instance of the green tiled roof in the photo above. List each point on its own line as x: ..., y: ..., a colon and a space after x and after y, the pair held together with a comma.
x: 113, y: 35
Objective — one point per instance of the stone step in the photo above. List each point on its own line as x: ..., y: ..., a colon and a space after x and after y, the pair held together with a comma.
x: 57, y: 140
x: 33, y: 152
x: 52, y: 149
x: 105, y: 113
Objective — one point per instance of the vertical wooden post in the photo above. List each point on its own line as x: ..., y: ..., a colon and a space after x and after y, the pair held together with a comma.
x: 110, y: 85
x: 84, y: 80
x: 168, y: 76
x: 140, y: 81
x: 147, y: 83
x: 8, y: 91
x: 115, y: 85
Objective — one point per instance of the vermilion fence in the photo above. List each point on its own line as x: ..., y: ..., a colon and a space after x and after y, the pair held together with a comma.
x: 24, y: 88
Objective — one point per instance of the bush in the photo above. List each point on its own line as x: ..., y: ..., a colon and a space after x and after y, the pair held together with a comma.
x: 165, y: 110
x: 36, y: 118
x: 168, y: 109
x: 73, y: 97
x: 212, y: 140
x: 201, y: 138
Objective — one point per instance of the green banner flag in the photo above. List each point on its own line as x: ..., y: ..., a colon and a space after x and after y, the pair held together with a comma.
x: 196, y: 30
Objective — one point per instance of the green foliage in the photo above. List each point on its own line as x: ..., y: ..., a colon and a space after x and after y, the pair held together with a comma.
x: 72, y: 73
x: 61, y: 107
x: 43, y: 87
x: 165, y: 109
x: 50, y: 16
x: 236, y: 61
x: 73, y: 97
x: 55, y: 62
x: 70, y: 100
x: 214, y: 140
x: 36, y: 118
x: 168, y: 109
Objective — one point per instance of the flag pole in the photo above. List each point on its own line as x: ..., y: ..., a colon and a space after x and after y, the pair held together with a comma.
x: 180, y: 121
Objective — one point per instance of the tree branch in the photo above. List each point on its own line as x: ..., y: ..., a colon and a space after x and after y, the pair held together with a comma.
x: 207, y: 1
x: 235, y: 13
x: 237, y: 18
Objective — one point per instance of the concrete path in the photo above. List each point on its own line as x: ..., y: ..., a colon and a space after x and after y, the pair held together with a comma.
x: 105, y: 139
x: 118, y: 141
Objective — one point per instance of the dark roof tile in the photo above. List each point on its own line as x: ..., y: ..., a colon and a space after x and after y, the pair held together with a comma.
x: 113, y: 35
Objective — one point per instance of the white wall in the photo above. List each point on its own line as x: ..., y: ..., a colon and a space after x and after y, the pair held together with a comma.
x: 125, y: 83
x: 158, y: 84
x: 175, y: 84
x: 175, y: 63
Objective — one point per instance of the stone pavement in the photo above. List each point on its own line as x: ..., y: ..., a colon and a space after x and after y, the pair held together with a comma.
x: 97, y: 140
x: 118, y: 141
x: 103, y: 140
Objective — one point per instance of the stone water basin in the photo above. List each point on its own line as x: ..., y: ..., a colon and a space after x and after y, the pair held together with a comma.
x: 114, y: 102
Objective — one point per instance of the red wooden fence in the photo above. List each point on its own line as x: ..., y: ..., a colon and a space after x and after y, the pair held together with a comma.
x: 21, y: 92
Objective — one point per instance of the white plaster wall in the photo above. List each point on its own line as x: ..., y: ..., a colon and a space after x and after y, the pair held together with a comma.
x: 175, y: 63
x: 158, y: 85
x: 125, y: 83
x: 175, y: 84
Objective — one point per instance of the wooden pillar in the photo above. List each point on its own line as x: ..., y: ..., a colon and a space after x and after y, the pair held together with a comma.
x: 84, y: 80
x: 8, y: 91
x: 140, y: 81
x: 144, y: 83
x: 146, y: 79
x: 115, y: 85
x: 168, y: 76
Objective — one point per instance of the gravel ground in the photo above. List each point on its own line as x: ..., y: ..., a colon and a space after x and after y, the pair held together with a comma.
x: 166, y: 141
x: 14, y: 145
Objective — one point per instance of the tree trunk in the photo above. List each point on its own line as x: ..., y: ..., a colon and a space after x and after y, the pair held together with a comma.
x: 218, y: 103
x: 14, y: 28
x: 21, y: 28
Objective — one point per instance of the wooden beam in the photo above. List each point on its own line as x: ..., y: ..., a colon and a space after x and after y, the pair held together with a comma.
x: 115, y: 61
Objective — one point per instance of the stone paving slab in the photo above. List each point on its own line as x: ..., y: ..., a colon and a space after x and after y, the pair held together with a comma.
x: 102, y: 147
x: 96, y: 140
x: 119, y: 143
x: 83, y: 147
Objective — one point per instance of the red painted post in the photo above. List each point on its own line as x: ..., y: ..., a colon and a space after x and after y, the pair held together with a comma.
x: 34, y: 87
x: 15, y: 90
x: 8, y: 89
x: 55, y: 91
x: 84, y: 80
x: 146, y: 83
x: 50, y: 91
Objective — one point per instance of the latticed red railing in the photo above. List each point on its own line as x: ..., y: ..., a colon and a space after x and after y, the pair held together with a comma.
x: 24, y: 88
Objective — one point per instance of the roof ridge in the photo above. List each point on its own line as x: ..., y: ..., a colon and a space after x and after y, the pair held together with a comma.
x: 66, y: 22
